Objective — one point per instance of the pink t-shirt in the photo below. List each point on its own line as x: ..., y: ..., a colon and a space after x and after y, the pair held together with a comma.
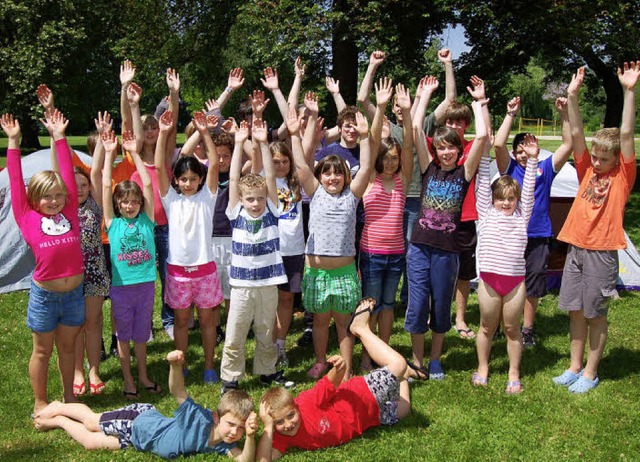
x: 383, y: 214
x: 158, y: 210
x: 331, y: 416
x: 53, y: 239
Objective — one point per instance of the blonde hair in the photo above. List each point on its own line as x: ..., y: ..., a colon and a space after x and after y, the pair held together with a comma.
x: 277, y: 398
x: 501, y: 187
x: 251, y: 181
x: 149, y: 121
x: 606, y: 141
x: 237, y: 402
x: 41, y: 183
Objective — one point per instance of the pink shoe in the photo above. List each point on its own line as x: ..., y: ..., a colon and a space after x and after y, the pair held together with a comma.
x: 317, y: 370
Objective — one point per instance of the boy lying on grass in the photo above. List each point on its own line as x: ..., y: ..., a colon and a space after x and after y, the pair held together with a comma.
x: 192, y: 429
x: 334, y: 412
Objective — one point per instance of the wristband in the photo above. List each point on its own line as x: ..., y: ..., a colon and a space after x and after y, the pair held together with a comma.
x: 229, y: 90
x: 511, y: 113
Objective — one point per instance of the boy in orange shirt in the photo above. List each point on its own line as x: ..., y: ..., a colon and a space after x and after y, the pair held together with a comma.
x: 594, y: 230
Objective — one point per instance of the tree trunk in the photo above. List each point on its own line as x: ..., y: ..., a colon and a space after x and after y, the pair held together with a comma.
x: 345, y: 54
x: 612, y: 89
x: 30, y: 141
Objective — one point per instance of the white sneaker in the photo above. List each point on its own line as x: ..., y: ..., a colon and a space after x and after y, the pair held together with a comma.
x: 169, y: 331
x: 282, y: 360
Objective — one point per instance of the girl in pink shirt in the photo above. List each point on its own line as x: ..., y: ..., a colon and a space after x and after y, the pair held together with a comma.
x: 48, y: 219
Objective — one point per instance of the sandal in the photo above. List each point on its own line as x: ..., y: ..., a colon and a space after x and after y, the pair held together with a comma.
x: 467, y: 334
x: 478, y: 381
x: 97, y: 388
x: 357, y: 313
x: 583, y: 385
x: 79, y: 390
x: 153, y: 389
x: 317, y: 370
x: 131, y: 395
x: 514, y: 388
x: 421, y: 372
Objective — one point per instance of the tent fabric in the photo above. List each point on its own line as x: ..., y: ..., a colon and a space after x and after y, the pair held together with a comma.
x: 16, y: 259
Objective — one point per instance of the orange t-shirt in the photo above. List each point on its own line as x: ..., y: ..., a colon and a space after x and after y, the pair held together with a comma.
x: 595, y: 219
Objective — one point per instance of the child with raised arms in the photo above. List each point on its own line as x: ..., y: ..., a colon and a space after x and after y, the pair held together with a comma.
x: 192, y: 278
x: 594, y: 230
x: 192, y: 429
x: 47, y: 215
x: 502, y: 231
x: 128, y: 221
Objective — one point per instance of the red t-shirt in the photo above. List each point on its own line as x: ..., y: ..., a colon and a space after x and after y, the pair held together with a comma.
x: 331, y: 416
x: 469, y: 212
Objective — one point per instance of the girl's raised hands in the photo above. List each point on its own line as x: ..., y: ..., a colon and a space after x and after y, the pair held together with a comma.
x: 293, y: 121
x: 127, y: 72
x: 129, y: 142
x: 403, y: 98
x: 134, y: 92
x: 166, y: 121
x: 259, y: 130
x: 103, y: 122
x: 45, y: 96
x: 10, y: 126
x: 241, y: 132
x: 55, y: 123
x: 110, y: 142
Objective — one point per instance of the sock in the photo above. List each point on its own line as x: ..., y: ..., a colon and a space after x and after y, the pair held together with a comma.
x: 280, y: 343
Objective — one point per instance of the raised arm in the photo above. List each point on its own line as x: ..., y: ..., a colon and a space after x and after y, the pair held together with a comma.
x: 271, y: 82
x: 360, y: 182
x: 445, y: 56
x: 294, y: 93
x: 333, y: 87
x: 127, y: 72
x: 258, y: 103
x: 303, y: 168
x: 103, y: 124
x: 129, y: 143
x: 563, y: 152
x: 19, y: 202
x: 403, y: 99
x: 628, y: 77
x: 384, y: 90
x: 110, y: 143
x: 173, y: 83
x: 235, y: 169
x: 259, y: 133
x: 234, y: 83
x: 483, y: 185
x: 429, y: 86
x: 56, y: 125
x: 134, y: 93
x: 479, y: 143
x: 575, y: 120
x: 502, y: 136
x: 159, y: 159
x: 176, y: 377
x: 212, y: 152
x: 376, y: 59
x: 532, y: 150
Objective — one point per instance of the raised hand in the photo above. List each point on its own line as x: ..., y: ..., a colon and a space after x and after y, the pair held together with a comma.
x: 134, y: 92
x: 175, y: 357
x: 55, y: 123
x: 258, y: 102
x: 576, y: 82
x: 321, y: 131
x: 445, y: 56
x: 530, y: 146
x: 166, y: 121
x: 236, y: 79
x: 242, y: 132
x: 230, y: 126
x: 561, y: 105
x: 45, y: 96
x: 377, y: 57
x: 251, y: 424
x: 199, y: 121
x: 109, y: 141
x: 629, y: 74
x: 386, y: 128
x: 129, y: 142
x: 212, y: 122
x: 429, y: 85
x: 127, y: 72
x: 384, y: 90
x: 311, y: 102
x: 259, y: 130
x: 173, y: 80
x: 211, y: 105
x: 513, y: 106
x: 103, y: 122
x: 477, y: 90
x: 403, y: 98
x: 270, y: 80
x: 361, y: 124
x: 333, y: 86
x: 293, y: 121
x: 300, y: 68
x: 10, y: 126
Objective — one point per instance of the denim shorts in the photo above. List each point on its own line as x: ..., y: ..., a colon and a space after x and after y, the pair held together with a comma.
x: 48, y: 309
x: 380, y: 277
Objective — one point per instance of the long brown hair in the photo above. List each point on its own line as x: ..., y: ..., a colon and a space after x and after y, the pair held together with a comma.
x: 278, y: 147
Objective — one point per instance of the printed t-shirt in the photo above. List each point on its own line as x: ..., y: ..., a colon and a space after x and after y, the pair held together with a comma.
x: 289, y: 221
x: 133, y: 250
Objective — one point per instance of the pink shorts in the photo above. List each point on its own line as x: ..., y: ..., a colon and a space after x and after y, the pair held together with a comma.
x: 186, y: 286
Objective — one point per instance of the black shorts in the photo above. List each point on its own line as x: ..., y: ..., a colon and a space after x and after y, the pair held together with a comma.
x: 536, y: 256
x: 467, y: 238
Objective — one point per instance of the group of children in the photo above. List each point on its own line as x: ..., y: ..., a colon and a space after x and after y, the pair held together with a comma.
x: 230, y: 211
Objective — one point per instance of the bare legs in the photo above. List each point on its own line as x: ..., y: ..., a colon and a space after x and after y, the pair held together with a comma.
x: 462, y: 297
x: 597, y: 330
x: 530, y: 307
x: 90, y: 338
x: 321, y: 337
x: 284, y: 314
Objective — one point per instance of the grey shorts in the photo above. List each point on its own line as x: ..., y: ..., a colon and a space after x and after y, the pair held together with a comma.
x: 536, y: 257
x: 384, y: 386
x: 588, y: 281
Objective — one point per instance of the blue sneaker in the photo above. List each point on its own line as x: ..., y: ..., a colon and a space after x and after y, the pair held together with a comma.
x: 583, y: 385
x: 567, y: 378
x: 210, y: 376
x: 435, y: 371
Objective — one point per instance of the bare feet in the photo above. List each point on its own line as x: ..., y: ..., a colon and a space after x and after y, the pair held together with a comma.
x: 52, y: 410
x: 38, y: 406
x: 360, y: 317
x: 43, y: 424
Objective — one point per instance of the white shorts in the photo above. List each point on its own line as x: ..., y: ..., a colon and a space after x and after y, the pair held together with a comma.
x: 222, y: 256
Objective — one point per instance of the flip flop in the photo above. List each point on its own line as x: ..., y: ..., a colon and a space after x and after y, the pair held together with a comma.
x: 511, y: 385
x: 478, y: 381
x: 153, y: 389
x: 97, y: 388
x: 421, y: 372
x: 131, y: 395
x: 357, y: 313
x: 465, y: 333
x: 79, y: 390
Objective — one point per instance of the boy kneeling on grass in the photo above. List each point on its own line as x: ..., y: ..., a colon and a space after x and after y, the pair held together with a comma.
x: 192, y: 429
x: 332, y: 412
